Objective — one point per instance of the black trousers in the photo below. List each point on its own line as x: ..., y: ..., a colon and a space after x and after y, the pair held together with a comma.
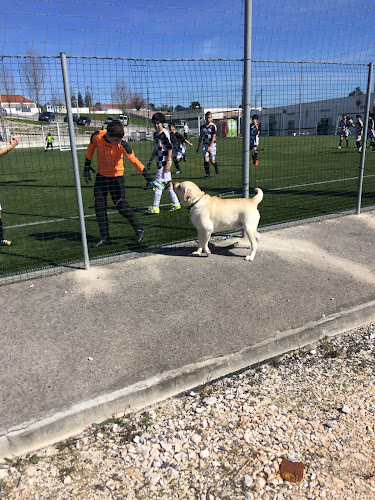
x: 116, y: 188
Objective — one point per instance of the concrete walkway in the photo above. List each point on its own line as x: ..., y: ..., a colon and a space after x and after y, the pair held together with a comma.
x: 79, y: 346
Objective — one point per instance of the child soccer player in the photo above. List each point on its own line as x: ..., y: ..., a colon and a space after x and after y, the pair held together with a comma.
x: 13, y: 142
x: 254, y: 138
x: 359, y: 132
x: 110, y: 149
x: 49, y: 141
x: 344, y: 125
x: 178, y: 147
x: 208, y: 134
x: 163, y: 151
x: 371, y: 132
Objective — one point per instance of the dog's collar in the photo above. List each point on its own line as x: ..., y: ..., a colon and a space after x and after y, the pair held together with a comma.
x: 195, y: 202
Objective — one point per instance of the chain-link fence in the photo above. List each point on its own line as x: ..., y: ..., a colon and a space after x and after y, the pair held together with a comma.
x: 299, y: 166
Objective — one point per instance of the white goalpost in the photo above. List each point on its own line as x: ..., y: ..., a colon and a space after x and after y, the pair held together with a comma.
x: 60, y: 134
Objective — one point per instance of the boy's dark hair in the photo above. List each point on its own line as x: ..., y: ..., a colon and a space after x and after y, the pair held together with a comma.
x: 158, y: 117
x: 171, y: 124
x: 255, y: 117
x: 115, y: 129
x: 358, y: 116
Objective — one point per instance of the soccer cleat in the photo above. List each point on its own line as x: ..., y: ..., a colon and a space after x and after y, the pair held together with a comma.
x: 177, y: 206
x: 101, y: 242
x: 207, y: 177
x: 139, y: 235
x: 153, y: 210
x: 256, y: 163
x: 178, y: 172
x: 339, y: 147
x: 6, y: 243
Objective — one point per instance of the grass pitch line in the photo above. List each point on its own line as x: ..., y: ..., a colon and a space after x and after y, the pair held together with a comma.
x: 75, y: 217
x: 320, y: 182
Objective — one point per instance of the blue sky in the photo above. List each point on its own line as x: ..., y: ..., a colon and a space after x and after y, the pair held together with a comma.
x: 293, y: 30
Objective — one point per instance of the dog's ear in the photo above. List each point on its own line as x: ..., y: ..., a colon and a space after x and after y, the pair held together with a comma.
x: 187, y: 195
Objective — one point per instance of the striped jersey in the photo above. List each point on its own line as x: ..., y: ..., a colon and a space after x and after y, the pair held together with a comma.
x: 207, y: 132
x: 359, y: 126
x: 178, y: 143
x: 162, y: 144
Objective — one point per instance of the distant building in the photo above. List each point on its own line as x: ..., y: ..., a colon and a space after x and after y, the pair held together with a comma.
x: 317, y: 117
x: 17, y: 103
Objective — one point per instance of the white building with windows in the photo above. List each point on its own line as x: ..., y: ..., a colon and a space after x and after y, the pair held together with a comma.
x: 17, y: 105
x: 318, y: 117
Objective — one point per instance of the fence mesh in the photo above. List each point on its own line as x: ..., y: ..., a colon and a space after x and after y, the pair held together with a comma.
x: 300, y: 105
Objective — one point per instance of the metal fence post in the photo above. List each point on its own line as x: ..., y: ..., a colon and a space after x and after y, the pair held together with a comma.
x: 364, y: 140
x: 75, y: 160
x: 246, y: 100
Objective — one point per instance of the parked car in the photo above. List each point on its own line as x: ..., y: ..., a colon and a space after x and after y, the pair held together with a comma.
x: 110, y: 119
x: 83, y: 120
x: 124, y: 119
x: 75, y: 118
x: 47, y: 116
x: 4, y: 111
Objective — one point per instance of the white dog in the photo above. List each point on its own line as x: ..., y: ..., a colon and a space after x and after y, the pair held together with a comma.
x: 211, y: 214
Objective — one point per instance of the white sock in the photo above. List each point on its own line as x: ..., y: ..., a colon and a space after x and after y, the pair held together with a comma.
x: 173, y: 196
x: 157, y: 197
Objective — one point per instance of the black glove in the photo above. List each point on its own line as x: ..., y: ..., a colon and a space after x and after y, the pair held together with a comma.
x: 86, y: 171
x: 148, y: 178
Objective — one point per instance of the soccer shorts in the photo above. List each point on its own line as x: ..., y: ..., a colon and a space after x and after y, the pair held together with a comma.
x: 178, y: 154
x: 371, y: 134
x: 211, y: 154
x: 358, y: 138
x: 344, y: 133
x: 254, y: 142
x: 0, y: 206
x: 163, y: 176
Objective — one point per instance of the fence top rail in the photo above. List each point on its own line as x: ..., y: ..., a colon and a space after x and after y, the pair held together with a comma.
x: 214, y: 59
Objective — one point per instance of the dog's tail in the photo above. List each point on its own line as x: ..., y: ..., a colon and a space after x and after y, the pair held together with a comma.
x: 258, y: 197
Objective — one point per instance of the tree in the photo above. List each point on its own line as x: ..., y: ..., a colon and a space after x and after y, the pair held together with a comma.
x: 180, y: 108
x: 56, y: 100
x: 195, y: 105
x: 73, y: 101
x: 357, y: 91
x: 137, y: 101
x: 34, y: 75
x: 88, y: 99
x: 164, y: 107
x: 80, y: 100
x: 121, y: 95
x: 151, y: 105
x: 7, y: 83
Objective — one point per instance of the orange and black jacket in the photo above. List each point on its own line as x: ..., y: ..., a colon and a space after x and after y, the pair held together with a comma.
x: 109, y: 157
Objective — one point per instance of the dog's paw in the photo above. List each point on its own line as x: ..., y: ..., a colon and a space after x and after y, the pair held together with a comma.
x: 249, y: 257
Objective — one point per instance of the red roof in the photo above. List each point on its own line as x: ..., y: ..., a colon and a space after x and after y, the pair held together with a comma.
x: 14, y: 98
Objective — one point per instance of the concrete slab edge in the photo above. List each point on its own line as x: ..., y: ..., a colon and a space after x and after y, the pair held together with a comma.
x: 34, y: 435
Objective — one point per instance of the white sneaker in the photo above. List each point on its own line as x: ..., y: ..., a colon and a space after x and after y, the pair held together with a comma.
x: 339, y: 147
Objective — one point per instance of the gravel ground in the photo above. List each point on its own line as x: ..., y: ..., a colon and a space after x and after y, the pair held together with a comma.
x: 226, y: 440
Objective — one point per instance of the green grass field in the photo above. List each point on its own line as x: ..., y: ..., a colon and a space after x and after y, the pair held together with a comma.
x: 301, y: 177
